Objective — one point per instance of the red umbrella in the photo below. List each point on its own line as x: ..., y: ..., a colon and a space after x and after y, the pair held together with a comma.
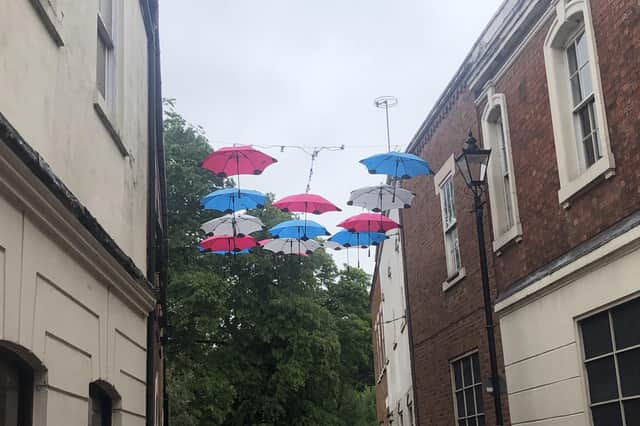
x: 228, y: 243
x: 306, y: 203
x: 237, y: 160
x: 368, y: 222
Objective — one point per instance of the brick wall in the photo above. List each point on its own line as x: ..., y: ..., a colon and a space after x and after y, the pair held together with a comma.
x: 548, y: 229
x: 447, y: 324
x: 381, y: 386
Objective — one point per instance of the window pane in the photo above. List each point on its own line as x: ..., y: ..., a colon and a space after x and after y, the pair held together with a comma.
x: 575, y: 89
x: 9, y: 394
x: 629, y: 368
x: 589, y: 151
x: 603, y: 384
x: 596, y: 335
x: 470, y: 399
x: 632, y: 411
x: 457, y: 374
x: 626, y: 323
x: 479, y: 402
x: 472, y: 422
x: 466, y: 371
x: 475, y: 361
x: 586, y: 83
x: 582, y: 54
x: 481, y: 421
x: 573, y: 62
x: 462, y: 423
x: 460, y: 404
x: 101, y: 68
x: 607, y: 415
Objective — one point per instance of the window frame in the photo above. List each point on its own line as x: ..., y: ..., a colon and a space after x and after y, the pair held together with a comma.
x: 473, y: 386
x: 450, y: 232
x: 571, y: 17
x: 381, y: 356
x: 505, y: 222
x: 614, y: 352
x: 105, y: 35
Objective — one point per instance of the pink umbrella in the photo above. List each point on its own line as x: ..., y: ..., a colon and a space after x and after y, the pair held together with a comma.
x: 368, y: 222
x: 306, y: 203
x: 237, y: 160
x: 227, y: 243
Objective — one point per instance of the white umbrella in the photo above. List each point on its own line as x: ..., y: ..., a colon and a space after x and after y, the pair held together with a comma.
x: 290, y: 246
x: 233, y: 224
x: 381, y: 197
x: 332, y: 245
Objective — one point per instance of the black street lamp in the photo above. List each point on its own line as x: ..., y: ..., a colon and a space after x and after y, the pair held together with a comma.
x: 472, y: 164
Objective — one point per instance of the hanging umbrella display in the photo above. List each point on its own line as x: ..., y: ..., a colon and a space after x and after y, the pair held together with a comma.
x: 237, y: 225
x: 399, y: 165
x: 290, y: 246
x: 381, y: 197
x: 300, y: 229
x: 237, y: 160
x: 306, y: 203
x: 228, y: 253
x: 333, y: 245
x: 368, y: 222
x: 231, y: 200
x: 358, y: 239
x: 227, y: 243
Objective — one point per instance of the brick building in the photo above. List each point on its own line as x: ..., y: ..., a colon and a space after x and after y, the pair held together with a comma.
x: 552, y: 87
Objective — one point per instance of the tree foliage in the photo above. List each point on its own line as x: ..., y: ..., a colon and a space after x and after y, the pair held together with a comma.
x: 257, y: 339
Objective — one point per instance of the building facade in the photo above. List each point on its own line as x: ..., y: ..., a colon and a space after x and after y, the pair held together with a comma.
x: 82, y: 254
x: 551, y: 87
x: 393, y: 371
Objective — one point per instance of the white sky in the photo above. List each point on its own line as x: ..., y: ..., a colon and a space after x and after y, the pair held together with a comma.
x: 303, y: 72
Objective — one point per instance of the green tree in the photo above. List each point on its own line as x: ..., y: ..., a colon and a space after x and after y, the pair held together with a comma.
x: 257, y: 339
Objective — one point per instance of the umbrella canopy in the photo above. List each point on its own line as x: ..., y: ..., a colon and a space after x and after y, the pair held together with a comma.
x: 396, y: 164
x: 226, y: 253
x: 237, y: 160
x: 233, y: 224
x: 306, y: 203
x: 231, y: 199
x: 290, y: 246
x: 300, y: 229
x: 381, y: 197
x: 368, y: 222
x: 333, y: 245
x: 358, y: 239
x: 227, y: 243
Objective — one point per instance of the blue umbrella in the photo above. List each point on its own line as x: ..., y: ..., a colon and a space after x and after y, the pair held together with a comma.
x: 300, y: 229
x: 232, y: 199
x: 358, y: 239
x: 201, y: 250
x: 397, y: 164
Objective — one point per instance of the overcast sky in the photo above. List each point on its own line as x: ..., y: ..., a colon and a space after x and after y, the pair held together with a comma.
x: 305, y: 73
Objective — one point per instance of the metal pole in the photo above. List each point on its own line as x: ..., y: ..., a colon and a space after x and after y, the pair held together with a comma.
x: 386, y: 110
x: 495, y: 381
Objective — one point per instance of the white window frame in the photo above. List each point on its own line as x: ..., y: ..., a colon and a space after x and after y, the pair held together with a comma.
x: 505, y: 222
x: 455, y: 272
x: 105, y: 34
x: 572, y: 16
x: 472, y: 386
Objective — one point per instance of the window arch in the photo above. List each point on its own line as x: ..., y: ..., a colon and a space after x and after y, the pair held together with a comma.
x: 19, y: 368
x: 580, y: 129
x: 103, y: 398
x: 505, y: 216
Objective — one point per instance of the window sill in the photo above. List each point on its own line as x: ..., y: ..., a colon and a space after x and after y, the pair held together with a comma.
x: 454, y: 280
x: 512, y: 235
x: 603, y: 168
x: 47, y: 15
x: 106, y: 117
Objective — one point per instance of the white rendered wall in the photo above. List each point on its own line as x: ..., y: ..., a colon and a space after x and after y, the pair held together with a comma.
x: 47, y: 93
x: 541, y: 346
x: 72, y: 321
x: 396, y: 334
